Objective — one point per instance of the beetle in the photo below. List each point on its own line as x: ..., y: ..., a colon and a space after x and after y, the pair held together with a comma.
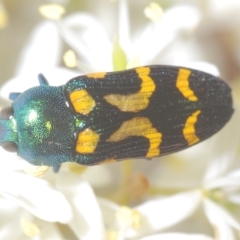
x: 146, y: 112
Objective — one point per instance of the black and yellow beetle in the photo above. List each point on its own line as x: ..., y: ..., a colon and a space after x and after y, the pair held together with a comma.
x: 142, y: 112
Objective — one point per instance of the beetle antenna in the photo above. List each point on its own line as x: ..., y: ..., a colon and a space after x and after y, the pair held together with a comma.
x: 42, y: 80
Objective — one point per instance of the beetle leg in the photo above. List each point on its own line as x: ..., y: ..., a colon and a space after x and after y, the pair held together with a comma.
x: 56, y: 168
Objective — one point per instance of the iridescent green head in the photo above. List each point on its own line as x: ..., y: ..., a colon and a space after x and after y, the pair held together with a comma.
x: 39, y: 126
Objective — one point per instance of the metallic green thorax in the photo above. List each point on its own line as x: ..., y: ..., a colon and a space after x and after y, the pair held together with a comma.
x: 44, y: 125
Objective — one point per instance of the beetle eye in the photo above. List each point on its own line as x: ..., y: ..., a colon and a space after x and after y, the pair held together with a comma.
x: 9, y: 146
x: 6, y: 113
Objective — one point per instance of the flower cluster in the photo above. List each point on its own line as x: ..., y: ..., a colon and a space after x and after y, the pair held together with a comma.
x: 194, y: 194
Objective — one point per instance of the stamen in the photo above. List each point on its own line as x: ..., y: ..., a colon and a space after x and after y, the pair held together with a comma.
x: 36, y: 171
x: 77, y: 168
x: 52, y: 11
x: 29, y: 229
x: 154, y: 12
x: 3, y: 17
x: 70, y: 59
x: 129, y: 217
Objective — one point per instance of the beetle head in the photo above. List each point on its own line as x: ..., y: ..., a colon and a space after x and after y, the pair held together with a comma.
x: 8, y: 133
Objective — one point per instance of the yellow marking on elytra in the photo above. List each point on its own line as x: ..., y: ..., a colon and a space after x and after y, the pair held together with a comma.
x: 148, y: 85
x: 189, y: 131
x: 137, y: 101
x: 182, y: 84
x: 82, y: 102
x: 87, y: 141
x: 139, y: 126
x: 97, y: 75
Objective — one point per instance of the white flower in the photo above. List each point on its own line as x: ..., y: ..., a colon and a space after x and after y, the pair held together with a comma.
x: 95, y: 49
x: 87, y: 221
x: 35, y: 195
x: 17, y: 223
x: 29, y: 205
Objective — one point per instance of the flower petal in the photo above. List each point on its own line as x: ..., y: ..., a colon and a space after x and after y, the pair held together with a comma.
x: 50, y: 231
x: 157, y: 36
x: 98, y: 183
x: 230, y: 180
x: 224, y: 145
x: 10, y: 217
x: 109, y: 210
x: 42, y: 51
x: 222, y: 8
x: 11, y: 162
x: 203, y: 66
x: 234, y: 198
x: 124, y: 25
x: 178, y: 236
x: 162, y: 213
x: 88, y: 38
x: 221, y: 220
x: 87, y: 221
x: 36, y: 196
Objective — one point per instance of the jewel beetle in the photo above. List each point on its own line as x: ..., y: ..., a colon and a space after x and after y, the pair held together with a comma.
x: 145, y: 112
